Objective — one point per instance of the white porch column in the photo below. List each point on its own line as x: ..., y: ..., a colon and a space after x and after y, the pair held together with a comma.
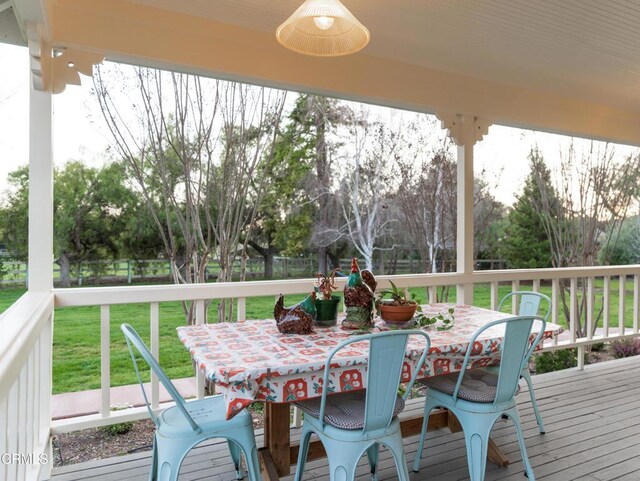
x: 465, y: 131
x: 40, y: 271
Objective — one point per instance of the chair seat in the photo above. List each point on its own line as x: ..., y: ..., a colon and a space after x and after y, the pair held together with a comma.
x: 208, y: 413
x: 344, y: 410
x: 477, y: 385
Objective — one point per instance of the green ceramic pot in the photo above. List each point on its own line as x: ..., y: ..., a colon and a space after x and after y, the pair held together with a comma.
x: 327, y: 311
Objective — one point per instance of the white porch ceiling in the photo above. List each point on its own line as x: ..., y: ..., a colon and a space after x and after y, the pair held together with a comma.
x: 579, y: 48
x: 9, y: 29
x: 564, y: 66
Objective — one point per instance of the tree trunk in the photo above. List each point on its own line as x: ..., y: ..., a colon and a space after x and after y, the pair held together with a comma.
x: 65, y: 270
x: 268, y: 263
x: 381, y: 262
x: 322, y: 259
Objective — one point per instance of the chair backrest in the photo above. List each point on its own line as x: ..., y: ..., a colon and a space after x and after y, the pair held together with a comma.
x: 134, y: 341
x: 516, y: 350
x: 529, y: 303
x: 387, y: 352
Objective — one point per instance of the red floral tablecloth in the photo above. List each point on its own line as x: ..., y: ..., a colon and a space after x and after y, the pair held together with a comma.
x: 251, y: 361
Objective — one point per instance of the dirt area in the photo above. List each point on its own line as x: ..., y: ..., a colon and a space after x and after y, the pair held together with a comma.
x: 101, y: 443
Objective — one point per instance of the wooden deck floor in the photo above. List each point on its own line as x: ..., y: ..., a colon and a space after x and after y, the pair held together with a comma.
x: 592, y: 419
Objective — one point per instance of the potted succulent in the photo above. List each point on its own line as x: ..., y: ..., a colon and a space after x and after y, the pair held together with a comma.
x: 327, y: 303
x: 399, y: 309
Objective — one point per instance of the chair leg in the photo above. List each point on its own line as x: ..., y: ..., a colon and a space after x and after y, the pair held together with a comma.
x: 373, y: 454
x: 302, y: 453
x: 170, y: 455
x: 153, y: 474
x: 253, y: 465
x: 234, y: 449
x: 428, y: 406
x: 513, y: 414
x: 245, y: 441
x: 477, y: 430
x: 396, y: 447
x: 343, y: 459
x: 527, y: 377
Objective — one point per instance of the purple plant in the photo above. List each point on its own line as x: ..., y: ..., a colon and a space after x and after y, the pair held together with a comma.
x: 625, y: 348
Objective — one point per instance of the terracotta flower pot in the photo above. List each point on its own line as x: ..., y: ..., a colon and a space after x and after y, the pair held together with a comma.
x: 397, y: 314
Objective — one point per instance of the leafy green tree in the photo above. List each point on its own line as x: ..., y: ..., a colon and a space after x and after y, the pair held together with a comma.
x: 525, y: 244
x: 627, y: 248
x: 90, y: 207
x: 14, y: 221
x: 285, y: 214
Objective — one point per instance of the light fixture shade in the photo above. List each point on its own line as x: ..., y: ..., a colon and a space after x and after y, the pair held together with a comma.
x: 323, y: 28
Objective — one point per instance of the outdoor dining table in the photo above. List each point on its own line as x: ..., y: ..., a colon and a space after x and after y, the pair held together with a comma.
x: 251, y: 361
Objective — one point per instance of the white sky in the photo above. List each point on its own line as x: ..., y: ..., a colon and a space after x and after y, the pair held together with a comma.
x: 79, y: 132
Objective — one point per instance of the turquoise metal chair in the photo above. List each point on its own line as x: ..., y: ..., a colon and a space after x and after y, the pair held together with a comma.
x: 351, y: 424
x: 530, y: 306
x: 478, y: 398
x: 181, y: 427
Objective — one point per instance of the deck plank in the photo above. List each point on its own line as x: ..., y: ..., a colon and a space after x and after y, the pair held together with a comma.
x: 591, y: 436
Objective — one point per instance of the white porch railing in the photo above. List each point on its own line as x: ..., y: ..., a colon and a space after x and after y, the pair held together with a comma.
x: 612, y: 326
x: 25, y: 388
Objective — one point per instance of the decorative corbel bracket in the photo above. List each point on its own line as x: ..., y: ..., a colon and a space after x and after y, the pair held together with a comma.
x: 52, y: 69
x: 464, y: 129
x: 68, y: 64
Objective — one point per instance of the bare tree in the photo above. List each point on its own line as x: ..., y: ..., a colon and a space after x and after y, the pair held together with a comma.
x: 368, y: 155
x: 195, y: 149
x: 594, y: 190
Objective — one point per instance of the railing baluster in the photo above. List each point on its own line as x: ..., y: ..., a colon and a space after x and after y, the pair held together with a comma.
x: 555, y: 285
x: 636, y: 302
x: 606, y: 305
x: 573, y: 313
x: 44, y: 385
x: 590, y: 282
x: 154, y: 320
x: 242, y: 308
x: 200, y: 317
x: 572, y: 308
x: 515, y: 285
x: 30, y: 401
x: 35, y: 409
x: 433, y: 294
x: 536, y: 285
x: 105, y: 361
x: 622, y: 280
x: 12, y: 428
x: 297, y: 417
x: 494, y: 295
x: 4, y: 421
x: 21, y: 414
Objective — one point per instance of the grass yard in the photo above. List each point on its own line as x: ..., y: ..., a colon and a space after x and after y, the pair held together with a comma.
x: 76, y: 340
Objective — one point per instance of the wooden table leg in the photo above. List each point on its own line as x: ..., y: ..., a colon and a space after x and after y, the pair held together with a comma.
x: 267, y: 467
x: 276, y: 440
x: 495, y: 454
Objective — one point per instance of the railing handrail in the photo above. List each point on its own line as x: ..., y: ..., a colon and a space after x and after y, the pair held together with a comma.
x: 21, y: 325
x: 91, y: 296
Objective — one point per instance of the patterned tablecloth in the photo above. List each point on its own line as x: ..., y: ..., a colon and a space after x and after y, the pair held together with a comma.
x: 251, y: 361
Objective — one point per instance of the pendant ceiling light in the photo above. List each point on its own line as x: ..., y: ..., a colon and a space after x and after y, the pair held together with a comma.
x: 323, y: 28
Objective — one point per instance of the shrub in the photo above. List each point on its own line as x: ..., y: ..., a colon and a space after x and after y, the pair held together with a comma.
x: 120, y: 428
x: 556, y: 360
x: 625, y: 348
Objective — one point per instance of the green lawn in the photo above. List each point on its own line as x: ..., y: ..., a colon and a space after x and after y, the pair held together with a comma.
x: 76, y: 351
